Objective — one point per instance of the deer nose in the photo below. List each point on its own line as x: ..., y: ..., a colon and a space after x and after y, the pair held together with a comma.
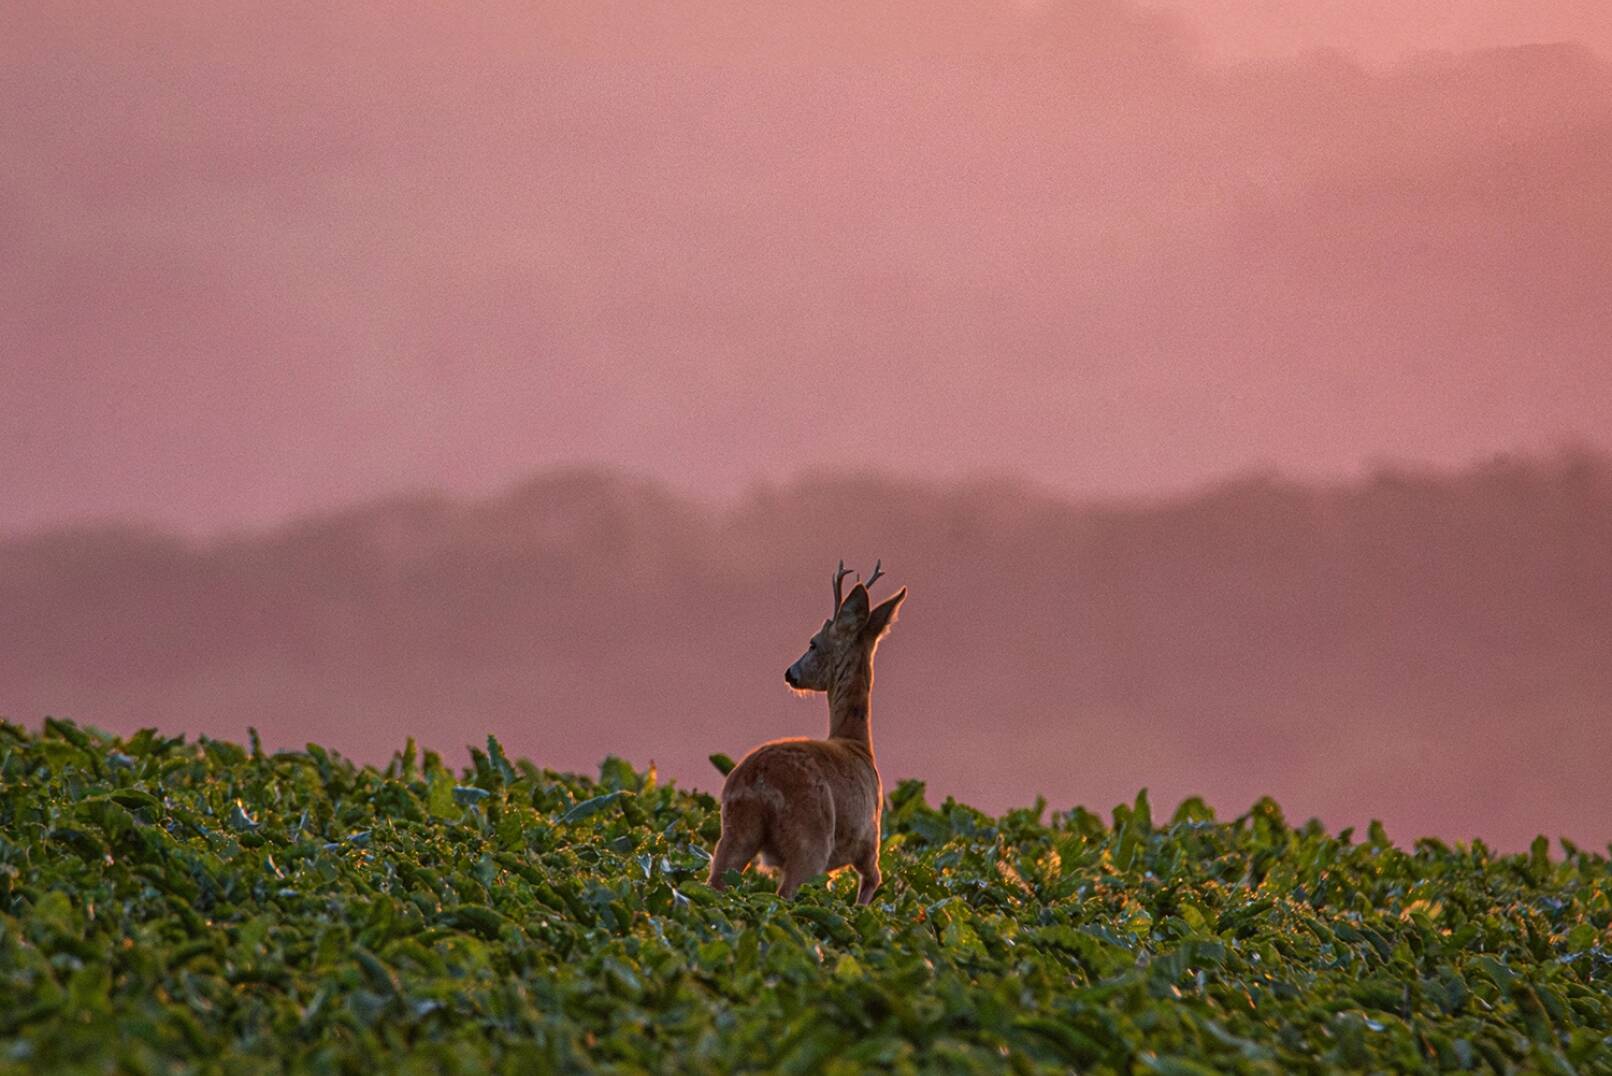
x: 789, y: 676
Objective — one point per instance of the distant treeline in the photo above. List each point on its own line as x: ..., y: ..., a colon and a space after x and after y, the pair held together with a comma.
x: 1434, y: 649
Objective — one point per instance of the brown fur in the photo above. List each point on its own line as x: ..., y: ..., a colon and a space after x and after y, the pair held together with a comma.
x: 809, y: 806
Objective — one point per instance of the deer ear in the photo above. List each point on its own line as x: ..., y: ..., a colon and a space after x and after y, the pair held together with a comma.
x: 884, y: 615
x: 853, y: 611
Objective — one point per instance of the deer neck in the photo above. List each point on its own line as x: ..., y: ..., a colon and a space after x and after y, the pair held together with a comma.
x: 850, y: 701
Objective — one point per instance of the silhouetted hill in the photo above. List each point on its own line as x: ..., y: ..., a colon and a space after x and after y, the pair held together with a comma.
x: 1431, y: 649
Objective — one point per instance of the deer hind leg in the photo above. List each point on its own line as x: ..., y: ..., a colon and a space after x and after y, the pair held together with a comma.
x: 867, y: 867
x: 743, y: 827
x: 803, y: 862
x: 805, y: 846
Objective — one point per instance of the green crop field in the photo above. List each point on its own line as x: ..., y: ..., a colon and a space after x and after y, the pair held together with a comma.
x: 169, y: 905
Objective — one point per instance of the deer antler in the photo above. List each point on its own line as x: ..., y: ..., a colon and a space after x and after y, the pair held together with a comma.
x: 877, y: 571
x: 839, y: 578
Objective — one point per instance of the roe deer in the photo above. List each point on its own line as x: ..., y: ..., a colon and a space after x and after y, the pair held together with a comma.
x: 809, y: 806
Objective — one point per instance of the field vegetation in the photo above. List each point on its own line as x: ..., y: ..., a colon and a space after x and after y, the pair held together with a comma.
x: 171, y: 905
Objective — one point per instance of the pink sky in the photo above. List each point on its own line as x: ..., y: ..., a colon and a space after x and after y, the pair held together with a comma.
x: 1387, y: 31
x: 258, y: 262
x: 255, y: 261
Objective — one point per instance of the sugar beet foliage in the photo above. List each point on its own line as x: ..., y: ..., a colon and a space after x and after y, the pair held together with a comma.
x: 169, y: 905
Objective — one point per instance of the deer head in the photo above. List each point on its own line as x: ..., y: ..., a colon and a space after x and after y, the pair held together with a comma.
x: 851, y: 633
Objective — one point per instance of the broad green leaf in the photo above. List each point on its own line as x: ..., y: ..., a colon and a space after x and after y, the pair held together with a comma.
x: 441, y: 801
x: 590, y: 807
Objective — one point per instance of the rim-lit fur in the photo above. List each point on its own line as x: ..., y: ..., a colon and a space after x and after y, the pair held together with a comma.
x: 809, y: 806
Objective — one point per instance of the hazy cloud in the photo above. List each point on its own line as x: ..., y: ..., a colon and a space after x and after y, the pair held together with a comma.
x: 261, y: 261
